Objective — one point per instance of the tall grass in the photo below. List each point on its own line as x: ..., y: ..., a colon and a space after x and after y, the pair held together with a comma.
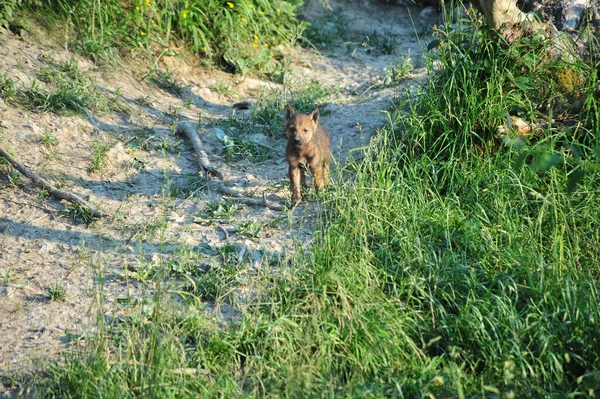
x: 236, y: 35
x: 447, y: 267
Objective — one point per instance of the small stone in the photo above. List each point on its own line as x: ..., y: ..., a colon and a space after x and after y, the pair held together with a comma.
x: 258, y: 138
x: 219, y: 133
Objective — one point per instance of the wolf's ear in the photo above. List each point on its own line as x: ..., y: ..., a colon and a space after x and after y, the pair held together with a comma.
x: 289, y: 111
x: 315, y: 115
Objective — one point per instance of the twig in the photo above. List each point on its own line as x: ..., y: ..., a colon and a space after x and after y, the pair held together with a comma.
x: 189, y: 130
x: 224, y: 231
x: 91, y: 119
x: 53, y: 191
x: 235, y: 196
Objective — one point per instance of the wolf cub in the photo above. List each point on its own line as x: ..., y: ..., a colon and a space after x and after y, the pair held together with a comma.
x: 308, y: 144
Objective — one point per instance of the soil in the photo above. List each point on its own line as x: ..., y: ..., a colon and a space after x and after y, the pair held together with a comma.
x: 42, y: 249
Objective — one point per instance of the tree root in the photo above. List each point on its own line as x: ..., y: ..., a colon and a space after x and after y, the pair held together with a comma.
x: 189, y: 130
x: 235, y: 196
x: 52, y: 190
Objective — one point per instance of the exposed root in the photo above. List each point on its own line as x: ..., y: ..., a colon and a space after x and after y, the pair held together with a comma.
x: 189, y: 129
x: 52, y: 190
x: 235, y: 196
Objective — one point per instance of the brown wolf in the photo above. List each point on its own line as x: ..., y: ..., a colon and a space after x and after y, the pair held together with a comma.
x: 308, y: 144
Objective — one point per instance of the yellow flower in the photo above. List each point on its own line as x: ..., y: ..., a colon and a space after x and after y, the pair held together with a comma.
x: 255, y: 37
x: 249, y: 5
x: 204, y: 49
x: 261, y: 13
x: 272, y: 54
x: 137, y: 8
x: 278, y: 10
x: 266, y: 45
x: 254, y: 45
x: 244, y: 20
x: 142, y: 33
x: 148, y: 3
x: 184, y: 14
x: 152, y: 21
x: 230, y: 4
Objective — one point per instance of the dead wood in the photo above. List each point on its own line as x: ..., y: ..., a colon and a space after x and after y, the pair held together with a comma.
x: 235, y: 196
x: 189, y: 129
x: 52, y: 190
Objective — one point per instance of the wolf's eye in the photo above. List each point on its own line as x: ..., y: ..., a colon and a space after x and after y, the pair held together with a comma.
x: 305, y: 130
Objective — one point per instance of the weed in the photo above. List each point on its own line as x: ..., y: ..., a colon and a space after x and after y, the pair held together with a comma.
x: 48, y: 139
x: 225, y: 89
x: 7, y: 276
x: 397, y: 71
x: 189, y: 186
x: 238, y: 146
x: 14, y: 178
x: 8, y: 88
x: 68, y: 91
x: 218, y: 211
x: 56, y: 292
x: 381, y: 44
x: 250, y: 228
x: 43, y: 194
x: 99, y: 155
x: 78, y: 213
x: 8, y: 13
x: 144, y: 230
x: 146, y: 101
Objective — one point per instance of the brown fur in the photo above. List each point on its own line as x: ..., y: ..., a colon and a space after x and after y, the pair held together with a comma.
x: 308, y: 144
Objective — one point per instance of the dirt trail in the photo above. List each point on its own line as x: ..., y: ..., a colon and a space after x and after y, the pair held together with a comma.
x: 40, y: 248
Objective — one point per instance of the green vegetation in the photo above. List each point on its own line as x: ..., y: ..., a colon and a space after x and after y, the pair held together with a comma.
x: 59, y: 88
x: 56, y: 292
x: 79, y: 213
x: 236, y: 35
x: 459, y: 261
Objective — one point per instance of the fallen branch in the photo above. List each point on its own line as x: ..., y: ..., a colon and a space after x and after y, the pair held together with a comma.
x: 189, y: 130
x: 53, y: 191
x: 235, y: 196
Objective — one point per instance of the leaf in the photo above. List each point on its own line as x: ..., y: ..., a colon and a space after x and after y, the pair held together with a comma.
x: 576, y: 151
x: 521, y: 160
x: 545, y: 161
x: 574, y: 178
x: 523, y: 83
x: 433, y: 45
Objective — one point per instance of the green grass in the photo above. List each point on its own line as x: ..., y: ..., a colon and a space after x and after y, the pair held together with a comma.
x: 60, y: 88
x: 238, y: 36
x: 450, y: 265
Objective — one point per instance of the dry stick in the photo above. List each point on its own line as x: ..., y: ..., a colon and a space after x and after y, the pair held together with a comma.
x: 235, y: 196
x: 53, y: 191
x: 189, y: 130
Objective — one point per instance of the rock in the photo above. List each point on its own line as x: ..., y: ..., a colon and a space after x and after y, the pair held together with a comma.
x: 117, y: 156
x: 218, y: 133
x: 7, y: 290
x: 258, y: 138
x: 33, y: 127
